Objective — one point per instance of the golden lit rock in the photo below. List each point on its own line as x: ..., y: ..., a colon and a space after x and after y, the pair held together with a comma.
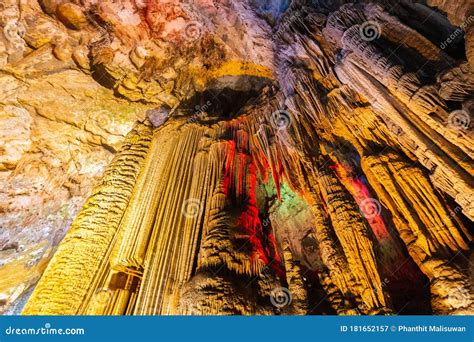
x: 236, y: 158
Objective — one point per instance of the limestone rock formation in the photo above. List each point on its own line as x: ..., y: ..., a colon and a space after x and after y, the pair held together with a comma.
x: 243, y: 157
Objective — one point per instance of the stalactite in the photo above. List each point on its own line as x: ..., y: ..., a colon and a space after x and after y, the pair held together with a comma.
x: 420, y: 100
x: 445, y: 174
x: 172, y: 246
x: 330, y: 248
x: 426, y: 226
x: 127, y: 258
x: 355, y: 239
x: 456, y: 83
x: 232, y: 237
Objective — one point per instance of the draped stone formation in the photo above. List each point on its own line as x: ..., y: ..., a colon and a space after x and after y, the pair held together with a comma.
x: 89, y: 241
x: 299, y: 157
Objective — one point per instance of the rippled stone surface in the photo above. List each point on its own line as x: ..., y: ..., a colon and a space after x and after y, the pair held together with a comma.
x: 236, y: 157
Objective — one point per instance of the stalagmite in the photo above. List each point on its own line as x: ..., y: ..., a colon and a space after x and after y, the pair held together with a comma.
x: 296, y: 285
x: 65, y: 287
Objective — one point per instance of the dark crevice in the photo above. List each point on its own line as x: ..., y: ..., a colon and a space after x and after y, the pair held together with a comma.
x: 220, y: 104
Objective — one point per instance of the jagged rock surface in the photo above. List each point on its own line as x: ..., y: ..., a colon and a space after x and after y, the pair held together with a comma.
x: 264, y: 157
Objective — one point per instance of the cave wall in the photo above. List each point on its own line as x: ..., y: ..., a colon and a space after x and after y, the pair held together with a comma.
x: 324, y: 150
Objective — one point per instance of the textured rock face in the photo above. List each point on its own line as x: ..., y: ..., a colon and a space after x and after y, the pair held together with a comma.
x: 236, y: 157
